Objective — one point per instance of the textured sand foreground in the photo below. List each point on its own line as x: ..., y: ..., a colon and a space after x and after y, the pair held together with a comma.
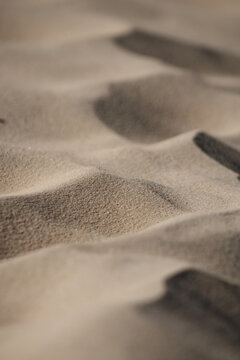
x: 119, y: 180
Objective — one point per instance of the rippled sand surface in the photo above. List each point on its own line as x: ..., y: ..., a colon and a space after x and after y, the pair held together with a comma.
x: 120, y: 180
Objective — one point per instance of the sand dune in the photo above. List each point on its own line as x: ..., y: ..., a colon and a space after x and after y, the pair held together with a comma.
x: 119, y: 186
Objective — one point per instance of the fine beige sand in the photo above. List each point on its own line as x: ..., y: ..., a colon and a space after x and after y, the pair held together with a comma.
x: 120, y: 180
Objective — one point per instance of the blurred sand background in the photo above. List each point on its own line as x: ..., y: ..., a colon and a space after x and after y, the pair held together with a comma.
x: 120, y: 179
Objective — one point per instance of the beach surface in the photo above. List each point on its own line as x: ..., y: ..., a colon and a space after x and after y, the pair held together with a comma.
x: 119, y: 180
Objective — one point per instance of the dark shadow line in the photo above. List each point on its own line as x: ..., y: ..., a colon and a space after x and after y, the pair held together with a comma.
x: 179, y: 53
x: 219, y: 151
x: 195, y: 295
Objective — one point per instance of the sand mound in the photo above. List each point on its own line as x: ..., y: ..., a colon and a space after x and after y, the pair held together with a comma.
x: 158, y: 107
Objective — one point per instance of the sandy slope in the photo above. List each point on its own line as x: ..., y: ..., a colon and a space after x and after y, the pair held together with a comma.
x: 120, y: 145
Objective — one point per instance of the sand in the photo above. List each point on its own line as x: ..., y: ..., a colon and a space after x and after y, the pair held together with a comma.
x: 119, y: 182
